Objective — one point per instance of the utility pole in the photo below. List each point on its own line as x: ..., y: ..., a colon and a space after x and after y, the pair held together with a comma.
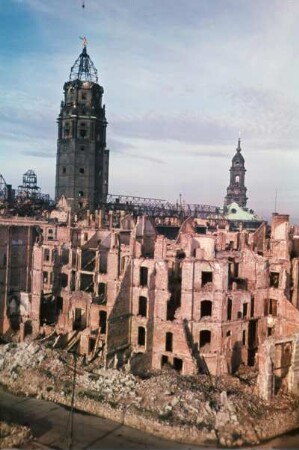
x: 70, y: 438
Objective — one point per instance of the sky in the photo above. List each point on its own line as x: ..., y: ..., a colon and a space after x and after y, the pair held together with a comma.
x: 182, y: 80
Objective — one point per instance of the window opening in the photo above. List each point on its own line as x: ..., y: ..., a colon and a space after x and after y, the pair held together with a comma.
x: 205, y: 340
x: 142, y: 306
x: 178, y: 364
x: 103, y: 321
x: 143, y: 276
x: 206, y: 277
x: 205, y: 308
x: 229, y: 309
x: 141, y: 336
x: 168, y: 342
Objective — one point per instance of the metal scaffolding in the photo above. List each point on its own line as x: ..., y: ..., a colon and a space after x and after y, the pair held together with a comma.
x: 154, y: 207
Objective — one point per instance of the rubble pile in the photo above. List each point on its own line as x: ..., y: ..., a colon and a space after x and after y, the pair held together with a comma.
x: 12, y: 435
x: 197, y: 409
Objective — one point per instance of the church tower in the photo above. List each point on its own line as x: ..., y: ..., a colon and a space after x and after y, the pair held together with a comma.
x: 82, y: 164
x: 236, y: 191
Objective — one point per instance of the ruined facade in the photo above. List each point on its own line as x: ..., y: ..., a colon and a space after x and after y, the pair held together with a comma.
x: 203, y: 302
x: 82, y: 157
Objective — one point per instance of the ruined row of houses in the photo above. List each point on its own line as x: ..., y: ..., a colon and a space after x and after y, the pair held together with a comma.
x: 202, y: 302
x: 203, y: 295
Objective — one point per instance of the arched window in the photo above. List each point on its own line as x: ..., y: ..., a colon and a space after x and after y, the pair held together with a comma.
x: 237, y: 179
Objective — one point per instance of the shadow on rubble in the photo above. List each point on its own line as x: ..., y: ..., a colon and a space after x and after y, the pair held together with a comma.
x: 200, y: 362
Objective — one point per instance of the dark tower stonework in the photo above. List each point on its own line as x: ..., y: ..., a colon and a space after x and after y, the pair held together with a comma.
x: 82, y: 166
x: 236, y: 191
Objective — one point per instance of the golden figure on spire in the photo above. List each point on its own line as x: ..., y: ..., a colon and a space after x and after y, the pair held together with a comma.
x: 84, y: 41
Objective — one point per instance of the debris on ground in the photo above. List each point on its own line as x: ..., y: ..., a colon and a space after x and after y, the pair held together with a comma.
x: 196, y: 409
x: 12, y: 435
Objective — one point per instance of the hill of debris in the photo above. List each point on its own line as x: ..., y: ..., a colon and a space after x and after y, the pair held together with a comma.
x: 195, y: 409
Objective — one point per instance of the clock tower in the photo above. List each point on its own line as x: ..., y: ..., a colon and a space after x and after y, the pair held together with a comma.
x: 236, y: 191
x: 82, y: 157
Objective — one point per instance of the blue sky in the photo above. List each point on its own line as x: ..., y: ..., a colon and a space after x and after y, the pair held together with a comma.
x: 181, y: 80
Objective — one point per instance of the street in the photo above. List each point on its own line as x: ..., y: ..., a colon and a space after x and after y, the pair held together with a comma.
x: 49, y: 423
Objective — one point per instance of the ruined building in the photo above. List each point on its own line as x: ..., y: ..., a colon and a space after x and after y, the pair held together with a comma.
x: 203, y: 294
x: 82, y: 156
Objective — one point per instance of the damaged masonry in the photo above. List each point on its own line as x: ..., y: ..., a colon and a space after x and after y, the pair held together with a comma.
x: 202, y: 303
x: 143, y: 284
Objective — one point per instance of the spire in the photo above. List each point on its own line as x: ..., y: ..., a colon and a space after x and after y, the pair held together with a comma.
x: 83, y: 68
x: 239, y: 145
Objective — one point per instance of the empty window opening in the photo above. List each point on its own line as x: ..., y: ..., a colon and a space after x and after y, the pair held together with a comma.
x: 206, y: 277
x: 252, y: 342
x: 85, y: 237
x: 205, y: 308
x: 180, y: 254
x: 82, y: 148
x: 168, y: 342
x: 252, y: 307
x: 80, y: 204
x: 164, y: 360
x: 64, y: 256
x: 80, y: 194
x: 103, y: 262
x: 78, y: 322
x: 274, y: 279
x: 102, y: 321
x: 142, y: 310
x: 63, y: 278
x: 141, y: 336
x: 86, y: 282
x: 243, y: 337
x: 59, y: 304
x: 245, y: 309
x: 88, y: 260
x: 178, y: 364
x: 175, y: 288
x: 143, y: 276
x: 91, y: 345
x: 73, y: 281
x: 239, y: 315
x: 45, y: 277
x: 229, y: 309
x: 205, y: 340
x: 47, y: 254
x: 28, y: 328
x: 102, y: 292
x: 237, y: 179
x: 228, y: 333
x: 269, y: 331
x: 64, y: 170
x: 83, y: 95
x: 81, y: 170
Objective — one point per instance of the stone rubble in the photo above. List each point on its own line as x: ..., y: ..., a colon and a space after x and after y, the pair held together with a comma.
x: 12, y: 435
x: 196, y: 409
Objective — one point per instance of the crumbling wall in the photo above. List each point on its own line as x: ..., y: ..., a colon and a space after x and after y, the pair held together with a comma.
x: 119, y: 315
